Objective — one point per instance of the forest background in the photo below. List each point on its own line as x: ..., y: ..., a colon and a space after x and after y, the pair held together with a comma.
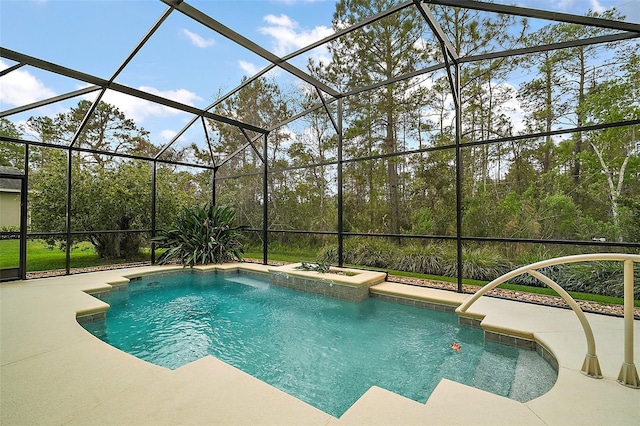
x: 398, y: 153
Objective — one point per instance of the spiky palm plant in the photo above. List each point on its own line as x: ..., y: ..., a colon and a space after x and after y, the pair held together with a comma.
x: 201, y: 235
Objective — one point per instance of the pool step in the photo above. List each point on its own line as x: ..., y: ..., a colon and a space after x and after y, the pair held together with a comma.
x: 533, y: 376
x: 485, y: 377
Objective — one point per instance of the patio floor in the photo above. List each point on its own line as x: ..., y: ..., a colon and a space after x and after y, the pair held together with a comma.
x: 54, y: 372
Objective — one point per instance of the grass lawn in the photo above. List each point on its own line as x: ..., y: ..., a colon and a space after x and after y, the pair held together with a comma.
x: 40, y: 257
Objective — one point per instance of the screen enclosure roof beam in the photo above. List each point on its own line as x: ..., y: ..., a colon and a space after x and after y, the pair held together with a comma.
x: 227, y: 32
x: 11, y: 68
x: 448, y: 47
x: 88, y: 78
x: 554, y: 46
x: 49, y: 101
x: 539, y: 14
x: 96, y: 101
x: 318, y: 43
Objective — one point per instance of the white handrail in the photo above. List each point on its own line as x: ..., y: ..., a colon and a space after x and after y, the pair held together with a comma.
x: 628, y: 374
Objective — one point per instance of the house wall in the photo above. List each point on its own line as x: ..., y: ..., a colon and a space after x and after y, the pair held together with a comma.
x: 9, y: 208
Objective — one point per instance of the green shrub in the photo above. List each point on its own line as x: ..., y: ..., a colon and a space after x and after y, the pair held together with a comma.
x: 328, y: 254
x: 481, y: 263
x: 433, y: 259
x: 8, y: 228
x: 605, y: 278
x: 367, y: 252
x: 363, y: 252
x: 533, y: 255
x: 602, y: 278
x: 421, y: 259
x: 202, y: 235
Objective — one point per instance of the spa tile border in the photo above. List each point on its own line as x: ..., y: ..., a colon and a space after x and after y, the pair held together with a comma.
x: 414, y: 302
x: 320, y: 286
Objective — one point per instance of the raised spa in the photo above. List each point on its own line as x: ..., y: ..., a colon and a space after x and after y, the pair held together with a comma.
x: 325, y: 351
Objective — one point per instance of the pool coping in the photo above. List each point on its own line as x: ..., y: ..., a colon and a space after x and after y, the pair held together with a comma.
x: 53, y: 371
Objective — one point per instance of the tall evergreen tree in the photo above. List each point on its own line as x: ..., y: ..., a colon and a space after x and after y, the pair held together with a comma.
x: 262, y: 103
x: 385, y: 49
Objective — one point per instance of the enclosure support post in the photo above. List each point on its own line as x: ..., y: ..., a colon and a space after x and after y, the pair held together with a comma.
x: 265, y: 200
x: 339, y: 178
x: 24, y: 186
x: 628, y: 374
x: 213, y: 186
x: 456, y: 94
x: 68, y: 214
x: 153, y: 211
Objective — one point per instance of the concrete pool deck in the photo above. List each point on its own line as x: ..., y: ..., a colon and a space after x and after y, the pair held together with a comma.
x: 52, y: 371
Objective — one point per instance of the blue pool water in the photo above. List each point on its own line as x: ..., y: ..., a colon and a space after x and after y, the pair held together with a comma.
x: 324, y: 351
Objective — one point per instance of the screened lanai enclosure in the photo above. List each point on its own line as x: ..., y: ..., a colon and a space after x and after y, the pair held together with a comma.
x: 452, y: 138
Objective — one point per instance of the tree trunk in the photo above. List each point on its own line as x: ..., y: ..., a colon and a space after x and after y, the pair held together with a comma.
x: 392, y: 167
x: 577, y: 150
x: 614, y: 190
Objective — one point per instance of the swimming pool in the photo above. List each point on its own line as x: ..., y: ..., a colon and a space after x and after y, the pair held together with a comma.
x: 326, y: 352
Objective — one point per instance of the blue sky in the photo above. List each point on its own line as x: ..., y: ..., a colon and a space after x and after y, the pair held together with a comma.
x: 183, y: 61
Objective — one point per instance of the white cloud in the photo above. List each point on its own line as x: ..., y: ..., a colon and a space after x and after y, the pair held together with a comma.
x: 181, y: 95
x: 512, y: 107
x: 565, y: 4
x: 287, y: 35
x: 597, y: 7
x: 281, y: 21
x: 248, y: 67
x: 198, y: 40
x: 139, y: 109
x: 20, y: 87
x: 168, y: 134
